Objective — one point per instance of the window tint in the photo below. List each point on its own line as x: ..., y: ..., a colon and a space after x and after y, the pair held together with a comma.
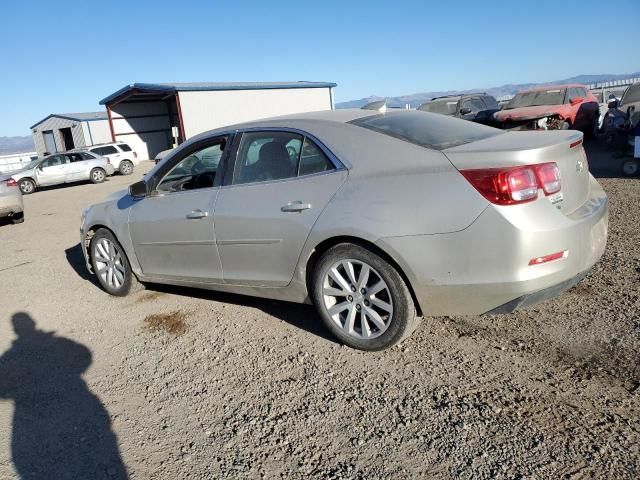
x: 108, y: 150
x: 87, y: 156
x: 74, y: 157
x: 196, y: 170
x: 313, y: 160
x: 475, y: 104
x: 53, y: 161
x: 124, y: 147
x: 264, y: 156
x: 426, y: 129
x: 490, y: 102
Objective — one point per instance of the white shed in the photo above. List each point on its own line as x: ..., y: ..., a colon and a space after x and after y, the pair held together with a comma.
x: 152, y: 117
x: 60, y: 132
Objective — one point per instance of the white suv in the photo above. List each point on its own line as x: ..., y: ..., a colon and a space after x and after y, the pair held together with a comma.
x: 122, y: 157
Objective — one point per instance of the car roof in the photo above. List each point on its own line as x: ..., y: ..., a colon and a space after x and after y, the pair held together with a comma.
x: 554, y: 87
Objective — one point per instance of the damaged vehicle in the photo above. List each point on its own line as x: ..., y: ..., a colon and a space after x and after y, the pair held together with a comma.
x: 477, y: 107
x: 555, y: 107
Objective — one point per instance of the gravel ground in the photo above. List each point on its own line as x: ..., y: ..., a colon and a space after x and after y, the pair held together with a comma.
x: 180, y: 383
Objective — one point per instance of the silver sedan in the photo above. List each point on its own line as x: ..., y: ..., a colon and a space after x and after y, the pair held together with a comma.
x: 375, y: 218
x: 61, y: 168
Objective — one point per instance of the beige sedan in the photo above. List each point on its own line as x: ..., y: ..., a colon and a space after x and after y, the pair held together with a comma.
x: 11, y: 201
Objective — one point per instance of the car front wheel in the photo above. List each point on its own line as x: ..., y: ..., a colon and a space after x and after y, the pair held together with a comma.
x: 630, y: 167
x: 110, y: 264
x: 362, y: 298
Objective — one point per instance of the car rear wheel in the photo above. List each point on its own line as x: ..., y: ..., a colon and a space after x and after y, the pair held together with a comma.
x: 110, y: 264
x: 362, y: 298
x: 630, y: 167
x: 27, y: 186
x: 126, y: 167
x: 97, y: 175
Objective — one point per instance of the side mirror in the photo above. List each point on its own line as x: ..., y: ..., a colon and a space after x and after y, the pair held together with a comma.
x: 465, y: 111
x: 138, y: 189
x: 576, y: 100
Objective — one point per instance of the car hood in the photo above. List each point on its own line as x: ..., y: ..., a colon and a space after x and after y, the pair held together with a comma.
x: 526, y: 113
x: 16, y: 174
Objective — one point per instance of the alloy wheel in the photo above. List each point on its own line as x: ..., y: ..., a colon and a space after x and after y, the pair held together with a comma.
x: 357, y: 299
x: 98, y: 175
x: 26, y: 186
x: 109, y: 265
x: 126, y: 168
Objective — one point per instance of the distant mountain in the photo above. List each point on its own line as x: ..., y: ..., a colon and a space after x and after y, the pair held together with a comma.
x: 417, y: 99
x: 16, y: 145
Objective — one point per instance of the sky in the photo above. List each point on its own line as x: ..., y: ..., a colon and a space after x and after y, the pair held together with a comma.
x: 58, y: 57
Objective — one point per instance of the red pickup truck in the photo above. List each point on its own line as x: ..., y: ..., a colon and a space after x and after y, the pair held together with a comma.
x: 553, y: 107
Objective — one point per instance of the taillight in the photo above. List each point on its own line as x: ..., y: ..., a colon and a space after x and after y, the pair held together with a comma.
x: 548, y: 177
x: 513, y: 185
x: 11, y: 182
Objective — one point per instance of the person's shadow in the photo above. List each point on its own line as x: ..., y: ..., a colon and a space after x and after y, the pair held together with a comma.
x: 60, y: 429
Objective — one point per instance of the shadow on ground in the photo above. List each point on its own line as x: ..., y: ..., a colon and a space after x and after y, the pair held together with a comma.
x: 61, y: 429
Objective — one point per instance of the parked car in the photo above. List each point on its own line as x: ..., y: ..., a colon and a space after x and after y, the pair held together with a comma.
x: 61, y: 168
x: 11, y: 201
x: 376, y: 218
x: 477, y: 107
x: 160, y: 155
x: 554, y: 107
x: 122, y: 156
x: 605, y: 96
x: 622, y: 127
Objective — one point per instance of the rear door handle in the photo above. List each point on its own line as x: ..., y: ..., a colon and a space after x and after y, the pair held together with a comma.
x: 197, y: 214
x: 296, y: 207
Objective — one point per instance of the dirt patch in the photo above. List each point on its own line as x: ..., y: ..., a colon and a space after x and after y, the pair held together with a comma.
x: 172, y: 322
x: 149, y: 296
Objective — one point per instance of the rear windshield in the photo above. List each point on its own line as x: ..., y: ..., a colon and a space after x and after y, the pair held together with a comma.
x: 445, y: 107
x: 427, y: 129
x: 124, y: 147
x: 553, y: 96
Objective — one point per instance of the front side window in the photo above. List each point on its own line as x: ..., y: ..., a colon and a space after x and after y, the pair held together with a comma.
x: 79, y: 156
x: 53, y: 161
x: 197, y: 170
x: 264, y: 156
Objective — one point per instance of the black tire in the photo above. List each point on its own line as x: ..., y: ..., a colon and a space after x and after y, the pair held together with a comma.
x: 97, y: 175
x: 27, y: 186
x: 404, y: 318
x: 630, y: 167
x: 17, y: 218
x: 126, y: 167
x: 130, y: 283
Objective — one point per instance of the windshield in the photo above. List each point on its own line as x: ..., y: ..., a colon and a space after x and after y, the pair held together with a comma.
x: 32, y: 164
x: 444, y: 106
x: 632, y: 95
x: 427, y: 129
x: 553, y: 96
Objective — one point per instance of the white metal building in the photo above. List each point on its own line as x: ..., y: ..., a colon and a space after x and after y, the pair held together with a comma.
x: 60, y: 132
x: 16, y: 161
x: 154, y: 117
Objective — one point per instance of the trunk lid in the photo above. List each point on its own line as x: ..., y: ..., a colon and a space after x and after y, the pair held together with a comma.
x: 528, y: 148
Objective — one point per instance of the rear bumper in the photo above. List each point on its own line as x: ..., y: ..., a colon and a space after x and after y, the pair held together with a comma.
x: 485, y: 267
x: 10, y: 204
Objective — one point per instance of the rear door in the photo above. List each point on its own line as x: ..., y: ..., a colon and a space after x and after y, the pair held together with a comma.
x: 280, y: 184
x: 77, y: 166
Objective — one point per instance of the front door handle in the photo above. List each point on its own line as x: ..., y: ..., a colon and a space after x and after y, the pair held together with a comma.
x: 197, y: 214
x: 295, y: 207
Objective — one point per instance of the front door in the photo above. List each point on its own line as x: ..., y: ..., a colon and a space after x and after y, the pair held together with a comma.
x: 281, y: 183
x: 172, y: 228
x: 52, y: 171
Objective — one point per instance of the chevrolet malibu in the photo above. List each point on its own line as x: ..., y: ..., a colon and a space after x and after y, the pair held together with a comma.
x: 375, y: 218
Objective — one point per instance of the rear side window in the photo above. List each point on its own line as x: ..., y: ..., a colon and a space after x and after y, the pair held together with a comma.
x: 124, y: 147
x: 264, y: 156
x: 109, y: 150
x: 427, y: 129
x: 313, y: 160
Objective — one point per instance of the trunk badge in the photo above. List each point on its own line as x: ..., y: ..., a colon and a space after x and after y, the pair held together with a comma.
x: 579, y: 166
